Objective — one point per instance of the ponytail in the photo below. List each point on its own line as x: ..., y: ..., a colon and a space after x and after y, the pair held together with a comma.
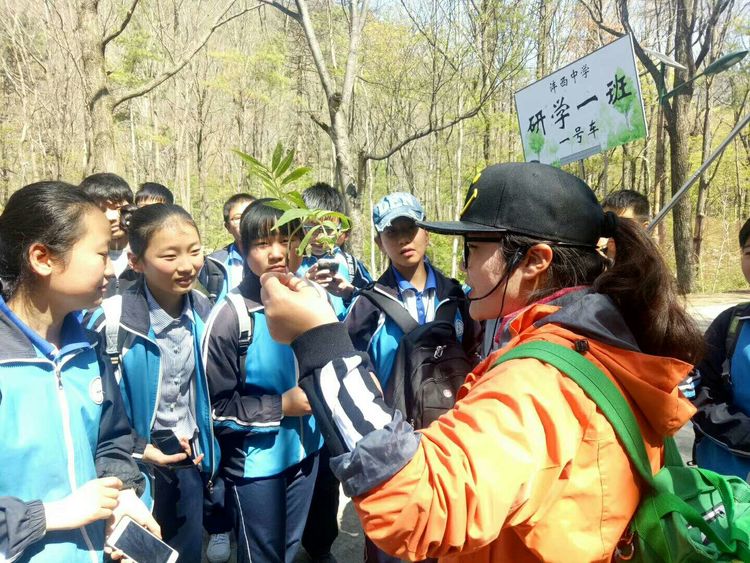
x: 641, y: 285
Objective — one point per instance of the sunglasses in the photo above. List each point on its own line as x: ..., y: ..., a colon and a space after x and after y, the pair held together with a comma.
x: 469, y: 239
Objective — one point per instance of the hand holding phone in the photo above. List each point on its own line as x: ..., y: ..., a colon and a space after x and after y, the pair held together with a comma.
x: 167, y: 449
x: 329, y: 264
x: 138, y: 544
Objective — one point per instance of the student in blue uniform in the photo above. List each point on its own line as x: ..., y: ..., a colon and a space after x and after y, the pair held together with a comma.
x: 113, y: 196
x: 410, y: 280
x: 64, y: 435
x: 722, y: 393
x: 156, y: 327
x: 223, y: 268
x: 349, y: 274
x: 262, y: 418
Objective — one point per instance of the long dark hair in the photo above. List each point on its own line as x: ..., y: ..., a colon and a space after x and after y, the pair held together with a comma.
x: 48, y: 213
x: 639, y: 282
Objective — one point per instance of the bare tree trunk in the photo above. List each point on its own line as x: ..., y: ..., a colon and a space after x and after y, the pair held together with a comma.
x: 541, y: 40
x: 703, y: 185
x: 458, y: 184
x: 660, y: 177
x: 99, y: 102
x: 679, y: 151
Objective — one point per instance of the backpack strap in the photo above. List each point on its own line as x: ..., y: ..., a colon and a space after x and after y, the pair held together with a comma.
x: 447, y: 311
x: 739, y: 316
x: 114, y: 334
x: 615, y: 408
x: 246, y: 323
x: 391, y: 308
x: 599, y: 389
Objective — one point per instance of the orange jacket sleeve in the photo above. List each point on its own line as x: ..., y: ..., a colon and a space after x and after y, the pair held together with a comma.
x: 492, y: 461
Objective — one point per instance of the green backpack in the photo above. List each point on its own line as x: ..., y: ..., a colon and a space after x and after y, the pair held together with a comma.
x: 687, y: 514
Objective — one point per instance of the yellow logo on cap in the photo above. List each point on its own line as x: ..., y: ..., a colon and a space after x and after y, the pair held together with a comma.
x: 470, y: 200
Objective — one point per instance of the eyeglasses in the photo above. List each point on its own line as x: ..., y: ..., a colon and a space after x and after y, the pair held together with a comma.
x: 469, y: 239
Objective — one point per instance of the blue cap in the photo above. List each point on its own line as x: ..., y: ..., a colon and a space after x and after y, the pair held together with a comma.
x: 393, y: 206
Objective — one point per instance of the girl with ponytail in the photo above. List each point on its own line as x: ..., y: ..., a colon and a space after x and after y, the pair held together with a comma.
x: 525, y: 467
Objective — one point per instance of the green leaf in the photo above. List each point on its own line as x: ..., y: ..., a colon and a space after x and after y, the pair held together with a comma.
x: 296, y: 198
x: 295, y: 175
x: 247, y: 158
x: 284, y: 164
x: 277, y: 152
x: 330, y: 225
x: 292, y: 215
x: 306, y: 241
x: 279, y: 204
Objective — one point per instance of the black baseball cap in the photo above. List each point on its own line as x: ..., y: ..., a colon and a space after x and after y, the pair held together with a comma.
x: 531, y: 199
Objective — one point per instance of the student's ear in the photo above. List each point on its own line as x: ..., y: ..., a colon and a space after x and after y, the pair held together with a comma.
x: 135, y: 263
x: 536, y: 262
x: 41, y: 260
x: 379, y: 243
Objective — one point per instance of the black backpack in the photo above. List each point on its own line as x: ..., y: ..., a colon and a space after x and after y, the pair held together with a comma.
x: 431, y: 364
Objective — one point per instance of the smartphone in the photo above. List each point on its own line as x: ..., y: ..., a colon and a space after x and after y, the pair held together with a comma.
x: 330, y: 264
x: 169, y: 443
x: 140, y: 545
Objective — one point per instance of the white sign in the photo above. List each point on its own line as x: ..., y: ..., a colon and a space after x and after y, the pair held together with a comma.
x: 589, y: 106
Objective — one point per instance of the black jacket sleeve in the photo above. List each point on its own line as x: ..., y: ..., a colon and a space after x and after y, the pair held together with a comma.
x: 233, y: 411
x: 361, y: 322
x: 717, y: 417
x: 114, y: 452
x: 21, y: 524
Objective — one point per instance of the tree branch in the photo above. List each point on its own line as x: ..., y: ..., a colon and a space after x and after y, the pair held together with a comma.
x: 315, y: 50
x: 646, y: 61
x: 599, y: 20
x: 180, y: 64
x: 123, y: 25
x: 708, y: 32
x: 283, y: 9
x: 359, y: 14
x: 324, y: 126
x: 426, y: 131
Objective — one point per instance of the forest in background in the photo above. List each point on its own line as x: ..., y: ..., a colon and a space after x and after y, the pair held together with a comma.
x: 375, y: 96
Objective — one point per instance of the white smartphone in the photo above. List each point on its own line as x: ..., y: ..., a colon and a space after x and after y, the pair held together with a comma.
x: 140, y: 545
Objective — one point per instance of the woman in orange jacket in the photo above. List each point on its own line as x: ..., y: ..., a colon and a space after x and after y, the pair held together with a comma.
x: 525, y: 467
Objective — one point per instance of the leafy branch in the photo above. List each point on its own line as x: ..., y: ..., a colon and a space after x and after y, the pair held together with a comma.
x: 322, y: 225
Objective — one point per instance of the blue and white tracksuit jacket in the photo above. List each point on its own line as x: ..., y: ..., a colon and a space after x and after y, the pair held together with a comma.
x: 349, y: 268
x: 372, y: 331
x: 140, y: 369
x: 722, y: 423
x: 62, y: 424
x: 256, y: 439
x: 216, y: 274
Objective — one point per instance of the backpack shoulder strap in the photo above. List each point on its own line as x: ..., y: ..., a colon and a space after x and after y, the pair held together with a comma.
x: 246, y: 322
x: 739, y: 316
x: 447, y: 311
x: 599, y: 389
x: 390, y: 307
x: 113, y: 333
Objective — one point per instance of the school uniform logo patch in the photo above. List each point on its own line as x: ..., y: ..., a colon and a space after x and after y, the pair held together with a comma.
x: 96, y: 393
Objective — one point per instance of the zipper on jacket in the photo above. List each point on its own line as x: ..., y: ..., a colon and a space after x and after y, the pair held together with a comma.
x: 158, y: 380
x: 68, y: 439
